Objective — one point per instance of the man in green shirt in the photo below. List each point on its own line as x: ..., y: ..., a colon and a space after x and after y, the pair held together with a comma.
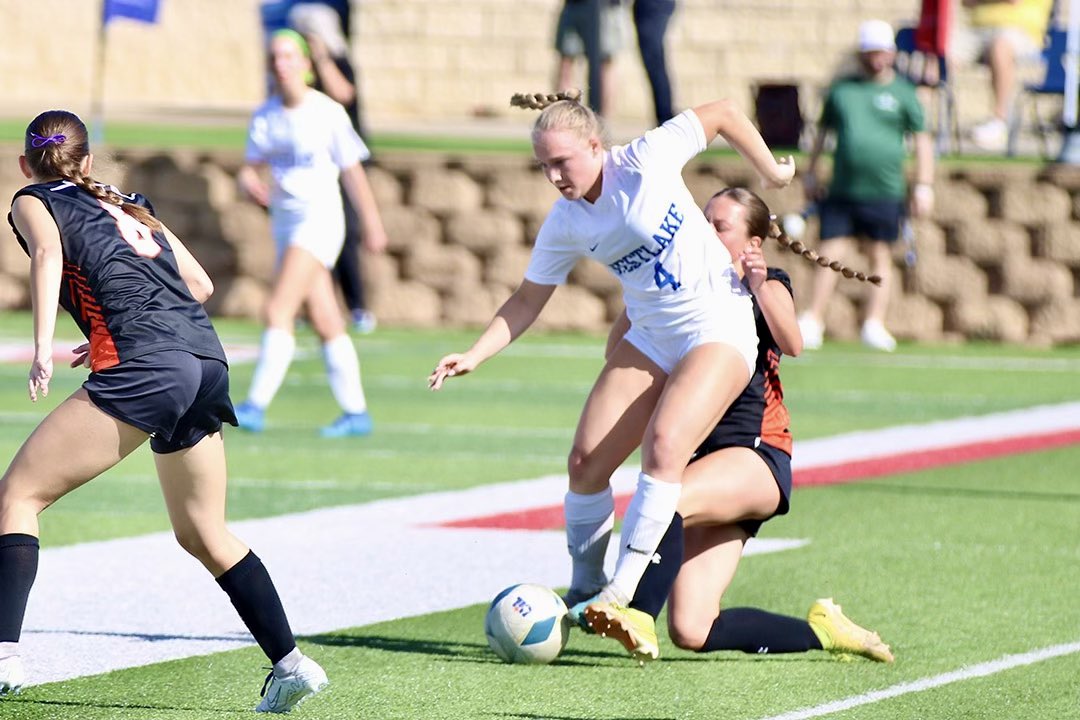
x: 870, y: 114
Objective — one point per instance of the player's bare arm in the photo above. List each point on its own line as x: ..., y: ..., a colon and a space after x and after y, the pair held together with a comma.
x: 361, y: 195
x: 722, y: 118
x: 514, y: 317
x: 42, y: 236
x: 193, y: 274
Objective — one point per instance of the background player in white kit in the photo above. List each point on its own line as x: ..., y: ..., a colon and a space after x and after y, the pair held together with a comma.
x: 692, y: 343
x: 307, y: 141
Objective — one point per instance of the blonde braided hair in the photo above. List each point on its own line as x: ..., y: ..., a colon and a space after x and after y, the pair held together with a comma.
x: 539, y: 101
x: 563, y: 111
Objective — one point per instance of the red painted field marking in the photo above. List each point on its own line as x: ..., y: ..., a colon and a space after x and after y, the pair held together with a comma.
x: 551, y: 517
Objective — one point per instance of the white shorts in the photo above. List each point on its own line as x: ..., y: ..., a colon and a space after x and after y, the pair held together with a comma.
x: 667, y: 348
x: 321, y: 233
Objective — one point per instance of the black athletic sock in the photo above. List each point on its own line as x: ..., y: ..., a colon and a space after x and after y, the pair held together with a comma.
x: 756, y: 631
x: 253, y: 595
x: 655, y: 585
x: 18, y: 568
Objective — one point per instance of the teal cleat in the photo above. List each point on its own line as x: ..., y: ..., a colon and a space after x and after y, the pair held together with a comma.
x: 349, y: 425
x: 576, y: 613
x: 250, y: 418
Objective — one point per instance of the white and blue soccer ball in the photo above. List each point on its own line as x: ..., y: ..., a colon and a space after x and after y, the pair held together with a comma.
x: 527, y: 624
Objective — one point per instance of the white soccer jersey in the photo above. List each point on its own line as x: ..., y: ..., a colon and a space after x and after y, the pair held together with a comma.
x: 306, y: 148
x: 648, y: 231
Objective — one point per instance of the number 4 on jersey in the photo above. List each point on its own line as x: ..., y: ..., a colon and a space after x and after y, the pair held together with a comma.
x: 135, y: 234
x: 662, y: 277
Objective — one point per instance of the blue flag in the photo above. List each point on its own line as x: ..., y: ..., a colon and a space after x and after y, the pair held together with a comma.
x: 142, y: 10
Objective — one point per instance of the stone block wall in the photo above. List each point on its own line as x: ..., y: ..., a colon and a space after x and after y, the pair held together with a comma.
x: 999, y: 260
x: 426, y: 61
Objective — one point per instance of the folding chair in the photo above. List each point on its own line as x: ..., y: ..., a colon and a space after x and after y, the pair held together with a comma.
x: 1052, y: 83
x: 925, y: 68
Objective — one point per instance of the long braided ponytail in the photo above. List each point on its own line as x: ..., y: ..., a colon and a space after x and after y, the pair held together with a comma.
x: 760, y: 223
x: 776, y: 232
x: 56, y: 144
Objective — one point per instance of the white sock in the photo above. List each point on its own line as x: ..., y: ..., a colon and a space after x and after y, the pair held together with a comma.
x: 589, y: 521
x: 8, y: 649
x: 343, y: 372
x: 275, y: 356
x: 647, y: 519
x: 288, y: 664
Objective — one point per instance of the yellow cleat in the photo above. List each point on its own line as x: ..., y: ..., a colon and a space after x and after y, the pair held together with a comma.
x: 635, y: 629
x: 839, y: 635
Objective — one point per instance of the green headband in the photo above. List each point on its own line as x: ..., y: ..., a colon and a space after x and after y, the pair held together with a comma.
x: 296, y: 37
x: 301, y: 43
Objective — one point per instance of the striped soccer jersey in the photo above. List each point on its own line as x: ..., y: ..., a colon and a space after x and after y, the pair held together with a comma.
x: 121, y: 283
x: 758, y: 415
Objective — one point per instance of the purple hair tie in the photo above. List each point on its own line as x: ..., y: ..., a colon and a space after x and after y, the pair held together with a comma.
x: 37, y: 141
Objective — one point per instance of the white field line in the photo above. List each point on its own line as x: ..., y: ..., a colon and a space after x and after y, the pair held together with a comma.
x: 121, y: 603
x: 107, y: 605
x: 904, y: 439
x: 967, y: 673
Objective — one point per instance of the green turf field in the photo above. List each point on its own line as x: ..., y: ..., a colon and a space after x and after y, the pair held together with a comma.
x: 211, y: 135
x: 955, y: 567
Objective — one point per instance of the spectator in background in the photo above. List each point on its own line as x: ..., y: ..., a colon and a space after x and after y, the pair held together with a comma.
x: 335, y: 76
x: 870, y: 114
x: 651, y: 18
x: 274, y: 14
x: 575, y: 27
x: 1001, y: 34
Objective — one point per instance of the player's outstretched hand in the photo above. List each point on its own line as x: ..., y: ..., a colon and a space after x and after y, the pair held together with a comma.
x: 40, y: 374
x: 82, y: 356
x: 783, y: 174
x: 450, y: 366
x: 755, y: 269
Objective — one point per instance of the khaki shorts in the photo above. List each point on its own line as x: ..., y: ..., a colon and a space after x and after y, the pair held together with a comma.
x: 970, y: 45
x: 575, y: 21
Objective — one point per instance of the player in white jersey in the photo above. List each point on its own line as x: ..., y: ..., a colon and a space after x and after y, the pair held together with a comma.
x: 692, y: 346
x: 308, y: 142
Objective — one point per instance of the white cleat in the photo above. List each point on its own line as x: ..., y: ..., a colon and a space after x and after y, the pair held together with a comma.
x: 875, y: 335
x: 12, y: 675
x: 282, y: 694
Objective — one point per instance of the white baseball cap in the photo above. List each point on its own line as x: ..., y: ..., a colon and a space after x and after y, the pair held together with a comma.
x: 876, y: 35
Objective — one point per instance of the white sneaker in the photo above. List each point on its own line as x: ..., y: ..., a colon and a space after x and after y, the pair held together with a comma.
x: 992, y: 134
x: 876, y: 336
x: 282, y: 694
x: 813, y: 334
x: 12, y: 675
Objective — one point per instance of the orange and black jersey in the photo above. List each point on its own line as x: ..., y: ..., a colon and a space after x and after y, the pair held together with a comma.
x: 121, y: 283
x: 758, y: 414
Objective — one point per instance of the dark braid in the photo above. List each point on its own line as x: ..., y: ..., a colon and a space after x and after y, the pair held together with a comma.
x: 760, y: 223
x: 776, y: 232
x: 55, y: 146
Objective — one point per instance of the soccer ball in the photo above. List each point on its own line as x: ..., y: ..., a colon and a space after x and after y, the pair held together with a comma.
x: 527, y: 624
